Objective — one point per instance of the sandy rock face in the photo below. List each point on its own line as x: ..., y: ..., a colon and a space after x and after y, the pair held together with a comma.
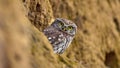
x: 96, y: 44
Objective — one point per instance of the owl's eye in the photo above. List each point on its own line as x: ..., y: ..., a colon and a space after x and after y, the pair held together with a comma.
x: 60, y: 24
x: 69, y: 28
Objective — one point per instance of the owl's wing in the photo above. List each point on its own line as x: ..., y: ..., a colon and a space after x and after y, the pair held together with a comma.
x: 58, y: 39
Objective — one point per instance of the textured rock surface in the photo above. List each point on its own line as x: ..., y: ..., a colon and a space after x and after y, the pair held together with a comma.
x: 14, y: 36
x: 96, y: 44
x: 39, y: 12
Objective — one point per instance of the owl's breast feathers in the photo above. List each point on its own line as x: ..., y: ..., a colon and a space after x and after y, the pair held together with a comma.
x: 58, y: 39
x: 53, y: 35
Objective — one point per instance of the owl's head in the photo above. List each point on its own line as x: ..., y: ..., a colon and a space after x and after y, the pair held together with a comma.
x: 65, y: 26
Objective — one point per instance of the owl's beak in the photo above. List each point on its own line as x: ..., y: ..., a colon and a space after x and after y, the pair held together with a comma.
x: 64, y: 28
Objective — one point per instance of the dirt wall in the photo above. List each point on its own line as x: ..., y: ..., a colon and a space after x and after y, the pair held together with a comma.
x: 96, y: 44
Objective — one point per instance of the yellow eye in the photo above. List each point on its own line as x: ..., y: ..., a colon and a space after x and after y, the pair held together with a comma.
x: 60, y: 24
x: 70, y: 28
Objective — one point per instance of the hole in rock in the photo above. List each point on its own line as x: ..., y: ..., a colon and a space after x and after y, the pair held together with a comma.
x: 23, y: 0
x: 38, y: 7
x: 111, y: 60
x: 116, y: 23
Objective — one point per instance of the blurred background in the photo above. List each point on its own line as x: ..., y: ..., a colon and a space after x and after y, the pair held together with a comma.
x: 23, y: 44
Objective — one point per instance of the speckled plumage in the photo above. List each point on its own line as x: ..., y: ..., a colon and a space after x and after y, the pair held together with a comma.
x: 59, y: 35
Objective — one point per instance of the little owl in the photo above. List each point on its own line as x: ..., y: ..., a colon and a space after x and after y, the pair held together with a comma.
x: 60, y: 34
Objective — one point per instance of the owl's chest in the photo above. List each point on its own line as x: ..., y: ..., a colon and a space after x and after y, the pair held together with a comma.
x: 55, y: 36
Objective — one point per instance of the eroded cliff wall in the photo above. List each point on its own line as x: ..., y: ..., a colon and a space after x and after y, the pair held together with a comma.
x: 96, y: 44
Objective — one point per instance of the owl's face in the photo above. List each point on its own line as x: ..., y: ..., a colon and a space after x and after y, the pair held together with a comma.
x: 65, y: 26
